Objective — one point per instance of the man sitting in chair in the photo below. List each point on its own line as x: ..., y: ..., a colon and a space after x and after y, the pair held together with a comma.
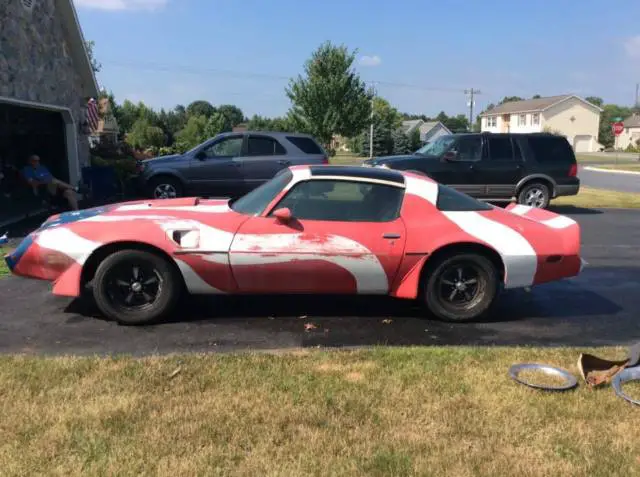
x: 38, y: 175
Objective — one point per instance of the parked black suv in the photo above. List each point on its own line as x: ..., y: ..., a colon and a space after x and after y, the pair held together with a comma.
x: 227, y: 165
x: 532, y: 167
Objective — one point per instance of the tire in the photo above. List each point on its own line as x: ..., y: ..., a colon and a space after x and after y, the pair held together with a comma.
x: 165, y: 187
x: 535, y: 194
x: 117, y: 281
x: 436, y: 290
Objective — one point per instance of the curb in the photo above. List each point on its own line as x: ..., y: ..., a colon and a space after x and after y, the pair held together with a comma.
x: 598, y: 169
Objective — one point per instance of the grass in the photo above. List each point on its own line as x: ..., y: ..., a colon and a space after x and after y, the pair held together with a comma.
x: 383, y: 411
x: 621, y: 167
x: 4, y: 271
x: 600, y: 198
x: 345, y: 158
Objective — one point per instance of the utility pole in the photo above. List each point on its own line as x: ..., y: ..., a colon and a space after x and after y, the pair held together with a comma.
x: 371, y: 125
x: 471, y: 92
x: 637, y: 95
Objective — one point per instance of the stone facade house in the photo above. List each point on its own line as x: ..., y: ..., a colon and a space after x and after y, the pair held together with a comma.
x: 46, y: 79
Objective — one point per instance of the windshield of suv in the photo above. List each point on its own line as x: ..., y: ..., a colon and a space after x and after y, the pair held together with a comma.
x: 437, y: 147
x: 257, y: 200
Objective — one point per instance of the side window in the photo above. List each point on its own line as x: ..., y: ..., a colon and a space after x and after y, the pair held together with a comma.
x: 551, y: 149
x: 500, y: 148
x: 227, y: 147
x: 469, y: 148
x: 343, y: 201
x: 305, y: 144
x: 264, y: 146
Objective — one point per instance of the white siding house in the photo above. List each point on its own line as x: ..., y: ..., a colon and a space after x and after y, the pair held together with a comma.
x: 429, y: 130
x: 569, y: 115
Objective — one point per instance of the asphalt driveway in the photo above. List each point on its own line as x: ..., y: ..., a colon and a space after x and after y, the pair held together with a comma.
x: 600, y: 307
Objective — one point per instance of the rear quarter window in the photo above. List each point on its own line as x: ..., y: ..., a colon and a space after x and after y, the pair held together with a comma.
x: 305, y: 144
x: 551, y: 149
x: 451, y: 200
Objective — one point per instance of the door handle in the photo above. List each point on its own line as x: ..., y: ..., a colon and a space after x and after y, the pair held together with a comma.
x: 283, y: 162
x: 391, y: 236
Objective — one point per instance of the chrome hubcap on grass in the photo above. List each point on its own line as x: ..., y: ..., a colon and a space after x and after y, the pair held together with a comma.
x: 165, y: 191
x: 134, y: 286
x: 460, y: 286
x: 534, y: 197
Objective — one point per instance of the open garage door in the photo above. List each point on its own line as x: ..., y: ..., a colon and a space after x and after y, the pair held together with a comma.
x: 583, y: 144
x: 26, y: 130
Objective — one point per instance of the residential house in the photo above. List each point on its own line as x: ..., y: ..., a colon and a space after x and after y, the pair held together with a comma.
x: 46, y: 81
x: 631, y: 134
x: 108, y: 130
x: 340, y: 143
x: 573, y: 117
x: 429, y: 130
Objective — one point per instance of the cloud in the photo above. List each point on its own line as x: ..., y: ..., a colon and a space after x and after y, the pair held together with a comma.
x: 632, y: 46
x: 370, y: 60
x: 117, y: 5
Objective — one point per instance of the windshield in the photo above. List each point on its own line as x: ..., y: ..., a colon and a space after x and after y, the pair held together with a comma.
x: 257, y: 200
x: 437, y: 147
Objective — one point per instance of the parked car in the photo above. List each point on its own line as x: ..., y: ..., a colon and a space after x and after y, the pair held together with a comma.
x: 227, y: 165
x: 533, y: 168
x: 310, y: 230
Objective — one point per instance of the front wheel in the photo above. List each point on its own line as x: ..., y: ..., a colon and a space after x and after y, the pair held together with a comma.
x: 461, y: 288
x: 135, y: 287
x: 165, y: 188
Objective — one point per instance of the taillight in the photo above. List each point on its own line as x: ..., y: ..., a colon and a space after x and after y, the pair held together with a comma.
x: 573, y: 170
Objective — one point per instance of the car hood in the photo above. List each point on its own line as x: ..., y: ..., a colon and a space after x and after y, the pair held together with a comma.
x: 376, y: 161
x: 163, y: 159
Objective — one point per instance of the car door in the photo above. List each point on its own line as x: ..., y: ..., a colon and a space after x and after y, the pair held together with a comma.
x: 458, y: 165
x: 264, y: 158
x: 344, y: 237
x: 500, y: 170
x: 216, y: 168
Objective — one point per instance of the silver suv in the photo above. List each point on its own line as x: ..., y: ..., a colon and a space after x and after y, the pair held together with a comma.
x: 227, y: 165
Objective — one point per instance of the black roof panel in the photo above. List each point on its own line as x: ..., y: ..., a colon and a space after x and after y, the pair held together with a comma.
x: 358, y: 171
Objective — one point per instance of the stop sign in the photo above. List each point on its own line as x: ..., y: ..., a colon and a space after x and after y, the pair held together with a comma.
x: 617, y: 128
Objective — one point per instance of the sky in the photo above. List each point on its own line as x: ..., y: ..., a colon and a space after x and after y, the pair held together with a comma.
x: 421, y: 55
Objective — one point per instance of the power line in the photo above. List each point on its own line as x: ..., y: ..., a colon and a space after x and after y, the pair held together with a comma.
x: 250, y: 74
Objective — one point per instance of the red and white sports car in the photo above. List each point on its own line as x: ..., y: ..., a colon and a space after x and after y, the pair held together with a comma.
x: 311, y: 229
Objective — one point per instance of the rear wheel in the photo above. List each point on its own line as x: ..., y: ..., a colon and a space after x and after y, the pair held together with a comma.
x: 535, y: 194
x: 461, y: 287
x: 136, y: 287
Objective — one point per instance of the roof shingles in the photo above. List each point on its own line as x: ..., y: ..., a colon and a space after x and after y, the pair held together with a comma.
x: 537, y: 104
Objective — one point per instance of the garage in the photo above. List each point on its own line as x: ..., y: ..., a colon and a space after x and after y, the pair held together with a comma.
x: 26, y: 129
x: 583, y: 143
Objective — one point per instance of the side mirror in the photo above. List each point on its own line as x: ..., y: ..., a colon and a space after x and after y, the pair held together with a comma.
x: 450, y: 156
x: 283, y: 215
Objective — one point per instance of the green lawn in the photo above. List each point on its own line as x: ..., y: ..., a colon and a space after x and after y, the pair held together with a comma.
x: 376, y: 412
x: 4, y: 271
x: 600, y: 198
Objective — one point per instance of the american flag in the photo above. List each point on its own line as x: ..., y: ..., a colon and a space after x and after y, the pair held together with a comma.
x: 92, y: 114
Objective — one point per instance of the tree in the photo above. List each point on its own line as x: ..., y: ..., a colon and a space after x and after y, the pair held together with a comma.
x: 331, y: 98
x: 595, y: 100
x: 200, y: 108
x: 401, y: 144
x: 198, y: 129
x: 382, y: 141
x: 536, y: 96
x: 232, y: 116
x: 414, y: 140
x: 611, y: 111
x: 509, y: 99
x: 459, y: 123
x: 95, y: 65
x: 384, y: 113
x: 144, y: 135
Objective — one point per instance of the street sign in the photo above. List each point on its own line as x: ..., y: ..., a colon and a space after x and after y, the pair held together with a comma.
x: 617, y: 128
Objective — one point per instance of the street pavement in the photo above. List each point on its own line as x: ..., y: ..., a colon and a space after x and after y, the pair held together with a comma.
x: 600, y: 307
x: 609, y: 180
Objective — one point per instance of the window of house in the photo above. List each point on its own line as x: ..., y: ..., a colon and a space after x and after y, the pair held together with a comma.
x: 535, y: 119
x: 492, y: 121
x: 227, y: 147
x: 264, y: 146
x: 343, y: 201
x: 522, y: 120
